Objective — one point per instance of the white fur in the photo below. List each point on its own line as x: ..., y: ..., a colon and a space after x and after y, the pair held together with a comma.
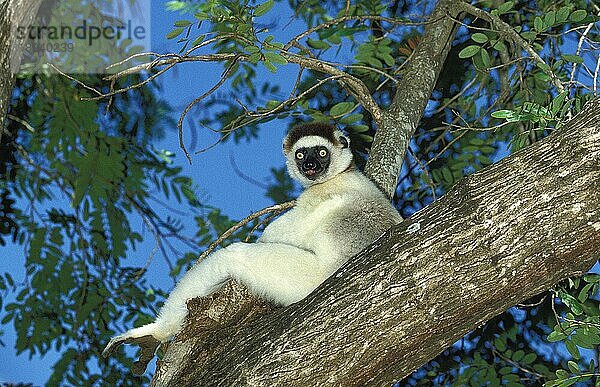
x: 333, y: 219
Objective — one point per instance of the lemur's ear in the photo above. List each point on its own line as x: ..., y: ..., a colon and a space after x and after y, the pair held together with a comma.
x: 344, y: 141
x: 283, y: 147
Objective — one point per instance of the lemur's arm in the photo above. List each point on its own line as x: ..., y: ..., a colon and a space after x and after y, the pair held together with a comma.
x: 277, y: 272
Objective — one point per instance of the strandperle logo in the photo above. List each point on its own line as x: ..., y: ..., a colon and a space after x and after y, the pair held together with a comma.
x: 84, y: 32
x: 74, y: 37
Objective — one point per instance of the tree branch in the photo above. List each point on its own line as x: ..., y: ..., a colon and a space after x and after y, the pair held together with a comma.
x: 355, y: 86
x: 399, y: 122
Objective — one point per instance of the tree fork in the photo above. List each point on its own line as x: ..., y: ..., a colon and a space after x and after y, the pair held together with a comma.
x: 400, y: 120
x: 500, y: 236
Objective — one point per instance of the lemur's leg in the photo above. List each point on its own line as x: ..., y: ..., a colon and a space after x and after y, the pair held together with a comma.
x: 277, y: 272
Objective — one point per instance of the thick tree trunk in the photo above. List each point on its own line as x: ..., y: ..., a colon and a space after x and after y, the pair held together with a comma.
x: 497, y: 238
x: 12, y: 13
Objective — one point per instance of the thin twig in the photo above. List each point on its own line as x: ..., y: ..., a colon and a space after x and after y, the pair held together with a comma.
x: 423, y: 167
x: 579, y: 45
x: 532, y: 305
x: 344, y: 19
x: 265, y: 221
x: 224, y: 77
x: 275, y: 208
x: 491, y: 128
x: 595, y: 83
x: 26, y: 124
x: 355, y: 86
x: 75, y: 80
x: 454, y: 98
x: 519, y: 366
x: 241, y: 174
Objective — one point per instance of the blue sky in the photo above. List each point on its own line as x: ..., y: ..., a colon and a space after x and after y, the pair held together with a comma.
x: 218, y: 184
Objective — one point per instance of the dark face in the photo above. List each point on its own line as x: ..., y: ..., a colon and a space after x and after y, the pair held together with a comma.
x: 312, y: 162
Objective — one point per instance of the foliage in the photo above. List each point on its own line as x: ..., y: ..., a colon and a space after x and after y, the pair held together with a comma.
x: 75, y: 177
x: 77, y: 183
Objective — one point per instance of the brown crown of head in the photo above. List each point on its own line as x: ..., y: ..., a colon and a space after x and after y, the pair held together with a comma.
x: 312, y: 129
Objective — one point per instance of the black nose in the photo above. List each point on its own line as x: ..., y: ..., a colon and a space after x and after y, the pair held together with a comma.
x: 308, y: 165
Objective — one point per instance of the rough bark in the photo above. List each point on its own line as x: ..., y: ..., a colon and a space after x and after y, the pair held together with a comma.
x: 498, y: 237
x: 12, y: 13
x: 400, y: 120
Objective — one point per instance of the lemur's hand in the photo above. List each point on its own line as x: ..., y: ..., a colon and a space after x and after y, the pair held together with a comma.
x: 147, y: 343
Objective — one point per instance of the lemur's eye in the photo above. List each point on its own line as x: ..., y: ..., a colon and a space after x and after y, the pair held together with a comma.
x: 323, y: 152
x: 299, y: 155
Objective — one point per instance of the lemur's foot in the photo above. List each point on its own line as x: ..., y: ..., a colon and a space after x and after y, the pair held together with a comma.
x: 148, y: 345
x: 147, y: 342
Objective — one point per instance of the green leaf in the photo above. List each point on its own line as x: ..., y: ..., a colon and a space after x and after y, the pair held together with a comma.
x: 201, y: 16
x: 571, y: 302
x: 359, y: 128
x: 276, y: 58
x: 506, y: 114
x: 251, y: 49
x: 479, y: 37
x: 556, y: 336
x: 586, y: 339
x: 572, y: 58
x: 558, y: 102
x: 550, y: 18
x: 10, y: 281
x: 485, y: 58
x: 505, y: 7
x: 341, y: 108
x: 500, y: 46
x: 562, y: 374
x: 563, y: 14
x: 500, y: 344
x: 269, y: 66
x: 469, y: 51
x: 374, y: 62
x: 254, y: 58
x: 263, y: 8
x: 584, y: 293
x: 592, y: 278
x: 335, y: 39
x: 578, y: 15
x: 543, y: 66
x: 572, y: 348
x: 7, y: 318
x: 573, y: 367
x: 351, y: 118
x: 447, y: 175
x: 388, y: 59
x: 198, y: 40
x: 504, y: 370
x: 272, y: 104
x: 318, y: 44
x: 175, y: 33
x: 365, y: 138
x: 182, y: 23
x: 529, y: 358
x: 538, y: 24
x: 529, y: 35
x: 518, y: 355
